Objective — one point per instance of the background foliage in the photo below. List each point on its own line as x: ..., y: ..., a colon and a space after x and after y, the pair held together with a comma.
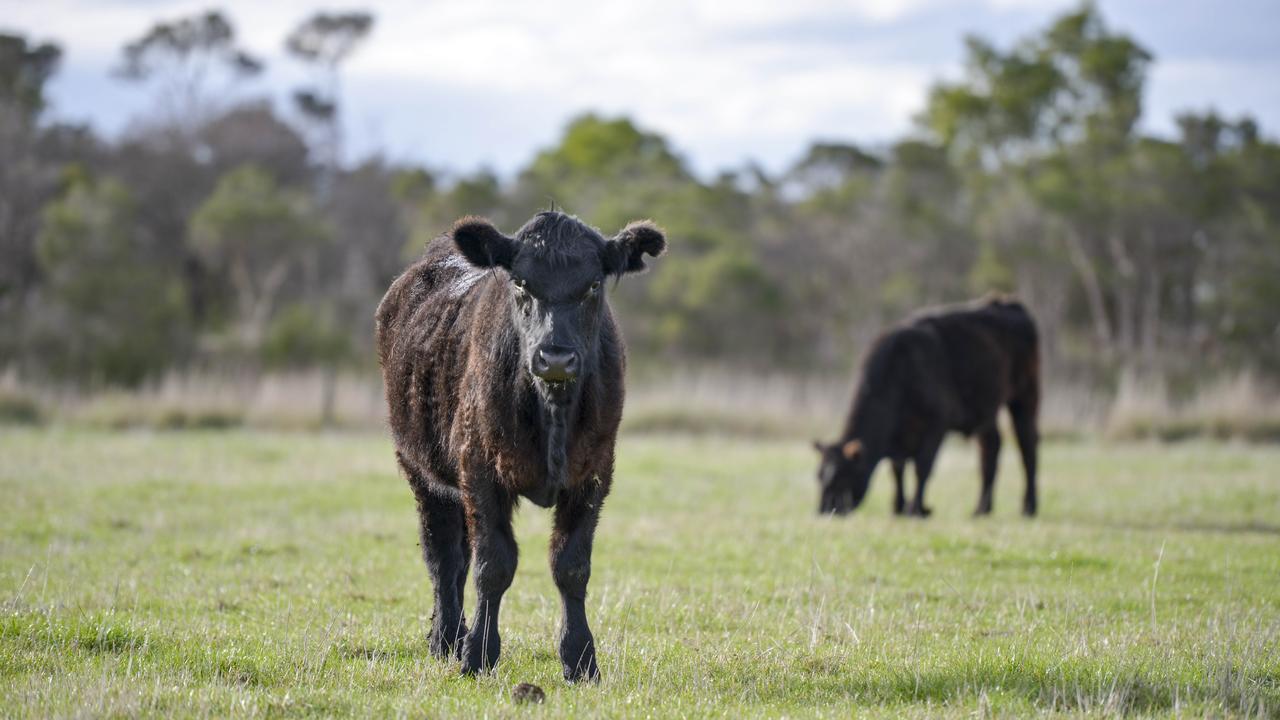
x: 230, y: 234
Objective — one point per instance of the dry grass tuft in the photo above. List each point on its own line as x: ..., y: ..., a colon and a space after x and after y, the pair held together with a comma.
x: 694, y: 401
x: 1233, y: 407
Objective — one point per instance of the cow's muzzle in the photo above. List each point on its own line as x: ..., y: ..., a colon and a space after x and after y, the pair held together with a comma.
x: 555, y: 364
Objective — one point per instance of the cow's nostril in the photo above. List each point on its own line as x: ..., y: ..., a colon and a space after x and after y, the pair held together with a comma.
x: 556, y: 365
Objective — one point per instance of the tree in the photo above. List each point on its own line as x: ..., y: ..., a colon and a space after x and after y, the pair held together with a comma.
x: 256, y: 234
x: 1057, y: 113
x: 112, y: 315
x: 1242, y: 246
x: 325, y: 41
x: 183, y: 56
x: 833, y: 178
x: 24, y: 70
x: 253, y: 133
x: 27, y: 179
x: 608, y: 170
x: 301, y: 336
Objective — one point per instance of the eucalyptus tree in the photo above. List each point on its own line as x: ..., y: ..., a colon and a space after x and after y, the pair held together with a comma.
x: 109, y: 313
x: 191, y: 61
x: 325, y: 41
x: 27, y: 180
x: 254, y: 233
x: 1056, y: 113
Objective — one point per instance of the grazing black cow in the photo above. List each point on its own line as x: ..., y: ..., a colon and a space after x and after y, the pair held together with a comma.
x: 504, y: 378
x: 949, y: 369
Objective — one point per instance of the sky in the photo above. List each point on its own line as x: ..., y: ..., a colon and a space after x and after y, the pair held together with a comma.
x: 460, y: 85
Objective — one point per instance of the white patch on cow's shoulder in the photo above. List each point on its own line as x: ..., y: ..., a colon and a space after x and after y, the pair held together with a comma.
x: 467, y: 275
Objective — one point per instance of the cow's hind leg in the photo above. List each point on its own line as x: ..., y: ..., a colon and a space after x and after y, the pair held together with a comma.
x: 899, y: 481
x: 924, y: 459
x: 989, y: 450
x: 442, y: 533
x: 494, y: 555
x: 1023, y: 412
x: 575, y: 527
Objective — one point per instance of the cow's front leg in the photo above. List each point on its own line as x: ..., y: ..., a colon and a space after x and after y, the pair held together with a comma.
x: 494, y: 555
x: 575, y: 525
x: 442, y: 531
x: 925, y: 456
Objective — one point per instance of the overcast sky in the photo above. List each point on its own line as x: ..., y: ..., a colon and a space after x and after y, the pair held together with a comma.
x: 467, y: 83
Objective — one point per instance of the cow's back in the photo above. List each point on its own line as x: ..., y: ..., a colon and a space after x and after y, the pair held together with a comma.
x: 421, y: 336
x: 1013, y: 335
x: 990, y: 351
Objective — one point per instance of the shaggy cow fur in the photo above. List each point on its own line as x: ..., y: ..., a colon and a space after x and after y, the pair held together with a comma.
x: 503, y: 371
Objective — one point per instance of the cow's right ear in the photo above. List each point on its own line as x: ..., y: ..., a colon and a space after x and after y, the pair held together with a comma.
x: 817, y: 445
x: 481, y: 243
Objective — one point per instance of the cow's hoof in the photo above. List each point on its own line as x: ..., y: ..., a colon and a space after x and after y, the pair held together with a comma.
x: 578, y: 658
x: 445, y: 648
x: 921, y: 512
x: 982, y: 511
x: 585, y: 671
x: 476, y: 658
x: 1029, y: 512
x: 473, y: 666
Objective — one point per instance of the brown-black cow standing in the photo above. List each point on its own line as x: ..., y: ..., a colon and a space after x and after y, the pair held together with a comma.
x: 504, y: 377
x: 949, y: 369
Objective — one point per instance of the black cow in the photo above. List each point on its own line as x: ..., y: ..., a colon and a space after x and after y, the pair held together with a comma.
x: 948, y: 369
x: 504, y: 377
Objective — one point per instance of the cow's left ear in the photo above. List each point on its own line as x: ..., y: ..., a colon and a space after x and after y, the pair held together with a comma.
x: 482, y: 244
x: 625, y: 252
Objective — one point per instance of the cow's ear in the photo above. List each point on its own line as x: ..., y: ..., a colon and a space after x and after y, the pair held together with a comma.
x: 481, y: 243
x: 625, y: 252
x: 817, y: 445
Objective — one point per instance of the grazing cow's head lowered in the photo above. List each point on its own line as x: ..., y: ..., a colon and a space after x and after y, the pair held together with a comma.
x: 557, y: 268
x: 844, y: 476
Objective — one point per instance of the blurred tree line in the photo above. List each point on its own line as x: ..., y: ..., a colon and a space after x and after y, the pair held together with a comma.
x: 219, y: 236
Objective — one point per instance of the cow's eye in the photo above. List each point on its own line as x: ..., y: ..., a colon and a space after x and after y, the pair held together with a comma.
x: 520, y: 285
x: 595, y: 288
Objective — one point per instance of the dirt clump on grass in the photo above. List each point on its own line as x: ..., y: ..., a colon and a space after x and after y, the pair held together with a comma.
x: 528, y: 693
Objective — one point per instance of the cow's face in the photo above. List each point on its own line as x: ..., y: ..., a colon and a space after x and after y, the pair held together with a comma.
x: 843, y: 477
x: 556, y: 267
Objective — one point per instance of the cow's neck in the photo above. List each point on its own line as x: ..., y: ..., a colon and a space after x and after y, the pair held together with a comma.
x: 559, y: 411
x: 557, y: 418
x: 853, y: 426
x: 872, y: 421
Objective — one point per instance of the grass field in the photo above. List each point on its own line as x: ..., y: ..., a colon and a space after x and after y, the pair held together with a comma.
x: 256, y: 574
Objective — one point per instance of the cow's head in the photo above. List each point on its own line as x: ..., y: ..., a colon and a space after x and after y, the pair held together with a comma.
x: 557, y: 267
x: 843, y: 476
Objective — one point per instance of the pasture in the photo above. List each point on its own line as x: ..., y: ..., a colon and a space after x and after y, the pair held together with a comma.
x: 277, y: 574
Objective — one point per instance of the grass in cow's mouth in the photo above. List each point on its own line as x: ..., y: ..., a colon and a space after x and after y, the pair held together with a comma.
x: 259, y: 574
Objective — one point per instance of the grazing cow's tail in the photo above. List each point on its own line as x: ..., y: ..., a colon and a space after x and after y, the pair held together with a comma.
x: 1022, y: 326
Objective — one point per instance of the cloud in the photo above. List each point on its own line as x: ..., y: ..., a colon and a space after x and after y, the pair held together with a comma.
x: 1230, y: 88
x: 460, y: 83
x: 676, y: 67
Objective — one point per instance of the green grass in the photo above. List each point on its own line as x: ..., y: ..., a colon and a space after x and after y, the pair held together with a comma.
x: 256, y: 574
